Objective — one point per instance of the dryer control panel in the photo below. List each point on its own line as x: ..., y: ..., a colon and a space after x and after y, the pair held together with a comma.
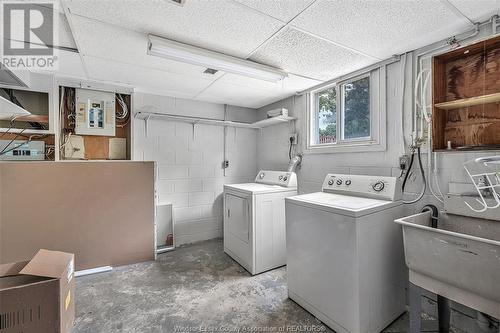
x: 282, y: 178
x: 379, y: 187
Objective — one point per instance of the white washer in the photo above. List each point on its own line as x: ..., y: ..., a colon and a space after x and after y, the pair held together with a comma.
x: 345, y: 260
x: 254, y: 220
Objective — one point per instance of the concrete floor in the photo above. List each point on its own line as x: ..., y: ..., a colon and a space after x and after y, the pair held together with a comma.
x: 192, y: 289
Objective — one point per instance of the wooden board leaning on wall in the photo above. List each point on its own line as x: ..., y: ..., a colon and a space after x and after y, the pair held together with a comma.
x: 96, y: 147
x: 466, y: 96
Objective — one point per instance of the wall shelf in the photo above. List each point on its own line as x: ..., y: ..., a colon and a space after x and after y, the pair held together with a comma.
x: 465, y: 102
x: 272, y: 121
x: 146, y: 116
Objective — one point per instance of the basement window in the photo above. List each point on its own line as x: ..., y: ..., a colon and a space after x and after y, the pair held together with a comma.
x: 348, y: 115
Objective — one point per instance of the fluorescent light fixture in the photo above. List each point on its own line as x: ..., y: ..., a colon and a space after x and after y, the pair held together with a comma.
x: 169, y: 49
x: 8, y: 110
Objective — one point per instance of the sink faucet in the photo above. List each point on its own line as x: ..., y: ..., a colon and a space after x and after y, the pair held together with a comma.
x: 434, y: 214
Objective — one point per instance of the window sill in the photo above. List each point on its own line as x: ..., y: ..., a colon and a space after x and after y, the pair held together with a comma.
x: 346, y: 148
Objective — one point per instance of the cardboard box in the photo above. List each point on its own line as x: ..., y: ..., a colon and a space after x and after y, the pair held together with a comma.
x: 38, y: 296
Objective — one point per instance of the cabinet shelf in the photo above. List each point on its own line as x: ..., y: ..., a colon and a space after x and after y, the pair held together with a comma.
x: 465, y: 102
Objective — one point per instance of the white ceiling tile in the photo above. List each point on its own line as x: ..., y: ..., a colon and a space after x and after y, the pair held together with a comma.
x: 248, y: 92
x: 382, y: 28
x: 68, y: 64
x: 116, y: 44
x: 283, y: 10
x: 228, y: 93
x: 145, y: 79
x: 299, y: 53
x: 221, y: 25
x: 289, y: 85
x: 65, y: 37
x: 477, y: 10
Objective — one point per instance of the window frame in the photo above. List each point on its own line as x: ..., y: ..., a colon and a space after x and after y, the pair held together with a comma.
x: 377, y: 139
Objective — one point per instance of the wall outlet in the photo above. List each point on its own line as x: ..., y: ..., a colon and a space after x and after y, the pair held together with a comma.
x: 404, y: 162
x: 293, y: 138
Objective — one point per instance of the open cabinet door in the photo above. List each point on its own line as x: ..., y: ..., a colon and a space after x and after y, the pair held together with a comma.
x: 164, y: 228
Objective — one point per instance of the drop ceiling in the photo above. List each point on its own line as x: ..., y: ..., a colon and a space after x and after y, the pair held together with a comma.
x: 313, y: 40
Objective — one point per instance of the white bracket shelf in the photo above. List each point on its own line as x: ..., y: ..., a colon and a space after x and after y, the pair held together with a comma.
x: 146, y: 116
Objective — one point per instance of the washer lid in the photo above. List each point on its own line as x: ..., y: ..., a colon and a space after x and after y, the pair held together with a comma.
x: 342, y: 204
x: 255, y: 188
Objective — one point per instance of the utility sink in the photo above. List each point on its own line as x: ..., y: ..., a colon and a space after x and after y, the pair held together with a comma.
x: 460, y: 259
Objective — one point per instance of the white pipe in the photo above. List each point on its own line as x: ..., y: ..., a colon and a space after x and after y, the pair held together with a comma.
x: 224, y: 147
x: 164, y: 249
x: 403, y: 85
x: 469, y: 34
x: 431, y: 175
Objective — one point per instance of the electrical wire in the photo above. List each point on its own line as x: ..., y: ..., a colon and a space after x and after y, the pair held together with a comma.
x: 124, y: 113
x: 422, y: 173
x: 11, y: 126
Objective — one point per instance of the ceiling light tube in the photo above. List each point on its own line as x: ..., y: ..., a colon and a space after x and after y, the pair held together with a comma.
x: 9, y: 110
x: 169, y: 49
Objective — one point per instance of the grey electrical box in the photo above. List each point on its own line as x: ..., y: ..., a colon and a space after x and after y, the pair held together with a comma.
x: 20, y: 150
x: 95, y: 113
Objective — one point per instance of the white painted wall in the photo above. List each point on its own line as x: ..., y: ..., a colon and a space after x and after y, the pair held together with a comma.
x: 189, y: 163
x: 272, y: 145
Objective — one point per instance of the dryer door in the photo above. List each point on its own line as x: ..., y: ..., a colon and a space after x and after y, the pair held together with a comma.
x: 238, y: 217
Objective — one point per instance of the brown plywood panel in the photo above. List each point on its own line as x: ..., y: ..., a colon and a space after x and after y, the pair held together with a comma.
x: 101, y: 211
x: 466, y: 94
x: 96, y: 147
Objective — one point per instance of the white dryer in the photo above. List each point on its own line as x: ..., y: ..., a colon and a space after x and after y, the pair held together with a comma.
x: 345, y: 259
x: 254, y: 220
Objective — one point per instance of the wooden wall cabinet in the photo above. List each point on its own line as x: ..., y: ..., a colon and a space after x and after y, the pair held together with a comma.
x: 466, y: 97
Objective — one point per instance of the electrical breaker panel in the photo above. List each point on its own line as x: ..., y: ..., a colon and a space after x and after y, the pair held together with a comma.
x: 19, y: 150
x: 95, y: 113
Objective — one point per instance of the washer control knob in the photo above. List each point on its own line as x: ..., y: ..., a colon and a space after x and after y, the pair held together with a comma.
x: 262, y: 174
x: 348, y: 182
x: 280, y: 177
x: 285, y: 178
x: 339, y: 181
x: 330, y: 182
x: 378, y: 186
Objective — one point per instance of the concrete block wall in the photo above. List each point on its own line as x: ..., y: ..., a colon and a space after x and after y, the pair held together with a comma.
x: 189, y: 161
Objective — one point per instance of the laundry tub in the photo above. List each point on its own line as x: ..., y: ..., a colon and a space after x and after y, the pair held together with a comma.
x: 460, y: 259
